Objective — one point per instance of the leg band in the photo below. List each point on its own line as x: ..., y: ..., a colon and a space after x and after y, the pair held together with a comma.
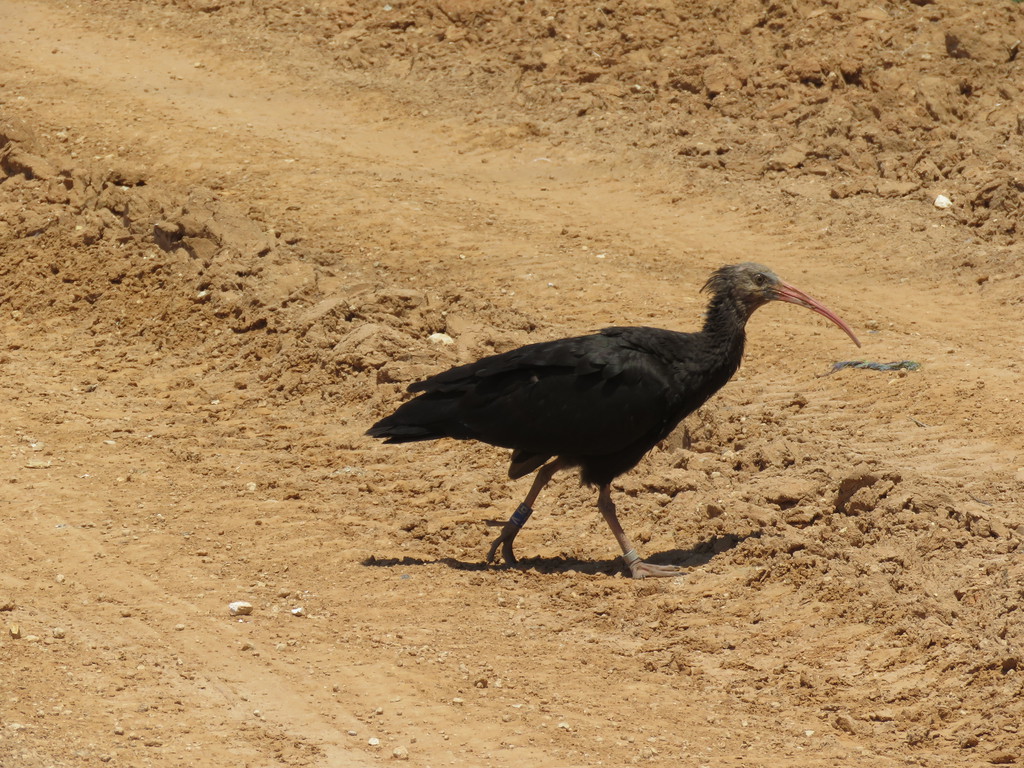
x: 520, y: 516
x: 631, y: 557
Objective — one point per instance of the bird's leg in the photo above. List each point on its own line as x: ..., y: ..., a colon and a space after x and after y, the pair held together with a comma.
x: 522, y: 514
x: 637, y: 567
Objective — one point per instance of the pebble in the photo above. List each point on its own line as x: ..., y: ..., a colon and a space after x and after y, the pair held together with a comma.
x: 299, y: 611
x: 441, y: 338
x: 240, y: 608
x: 400, y: 753
x: 58, y: 633
x: 943, y: 202
x: 373, y: 741
x: 15, y: 631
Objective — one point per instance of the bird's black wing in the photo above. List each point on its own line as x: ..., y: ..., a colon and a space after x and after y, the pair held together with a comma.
x: 588, y: 395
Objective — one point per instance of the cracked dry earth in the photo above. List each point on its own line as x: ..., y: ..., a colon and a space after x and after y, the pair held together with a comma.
x: 228, y: 231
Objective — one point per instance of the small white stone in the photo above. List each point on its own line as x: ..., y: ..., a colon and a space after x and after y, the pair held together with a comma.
x: 441, y: 338
x: 373, y: 741
x: 943, y: 202
x: 400, y: 753
x: 240, y: 608
x: 298, y: 611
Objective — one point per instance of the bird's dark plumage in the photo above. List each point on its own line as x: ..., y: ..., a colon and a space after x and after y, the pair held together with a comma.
x: 599, y: 402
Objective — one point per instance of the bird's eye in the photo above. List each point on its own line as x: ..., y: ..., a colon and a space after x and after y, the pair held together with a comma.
x: 760, y: 280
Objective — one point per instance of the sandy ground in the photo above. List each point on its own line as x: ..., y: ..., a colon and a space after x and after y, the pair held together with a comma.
x: 228, y: 229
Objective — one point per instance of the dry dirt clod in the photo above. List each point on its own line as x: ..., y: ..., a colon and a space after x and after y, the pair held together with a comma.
x: 240, y: 608
x: 845, y: 723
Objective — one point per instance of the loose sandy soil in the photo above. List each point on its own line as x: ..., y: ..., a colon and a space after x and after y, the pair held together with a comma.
x: 228, y: 229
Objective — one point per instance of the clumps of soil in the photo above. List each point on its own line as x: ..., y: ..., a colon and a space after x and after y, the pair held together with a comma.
x: 908, y: 100
x: 132, y: 257
x: 139, y: 260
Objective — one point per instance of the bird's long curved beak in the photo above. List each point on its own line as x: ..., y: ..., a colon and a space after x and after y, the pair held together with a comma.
x: 786, y: 292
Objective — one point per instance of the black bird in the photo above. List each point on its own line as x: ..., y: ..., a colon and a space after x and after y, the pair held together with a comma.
x: 597, y: 402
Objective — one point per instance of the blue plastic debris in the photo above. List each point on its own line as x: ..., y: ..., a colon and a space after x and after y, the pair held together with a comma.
x: 901, y: 365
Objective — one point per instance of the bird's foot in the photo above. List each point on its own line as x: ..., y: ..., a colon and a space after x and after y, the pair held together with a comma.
x: 642, y: 570
x: 639, y: 569
x: 508, y: 535
x: 505, y: 540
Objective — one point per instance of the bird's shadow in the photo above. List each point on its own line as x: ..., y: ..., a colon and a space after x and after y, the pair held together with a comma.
x: 696, y: 556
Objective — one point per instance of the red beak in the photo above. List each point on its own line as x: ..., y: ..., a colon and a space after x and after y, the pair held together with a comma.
x: 786, y: 292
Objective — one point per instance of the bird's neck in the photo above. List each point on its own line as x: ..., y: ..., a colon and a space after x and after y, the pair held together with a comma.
x: 724, y: 327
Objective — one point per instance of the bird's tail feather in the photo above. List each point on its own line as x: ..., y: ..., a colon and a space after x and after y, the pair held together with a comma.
x: 423, y: 418
x: 400, y: 433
